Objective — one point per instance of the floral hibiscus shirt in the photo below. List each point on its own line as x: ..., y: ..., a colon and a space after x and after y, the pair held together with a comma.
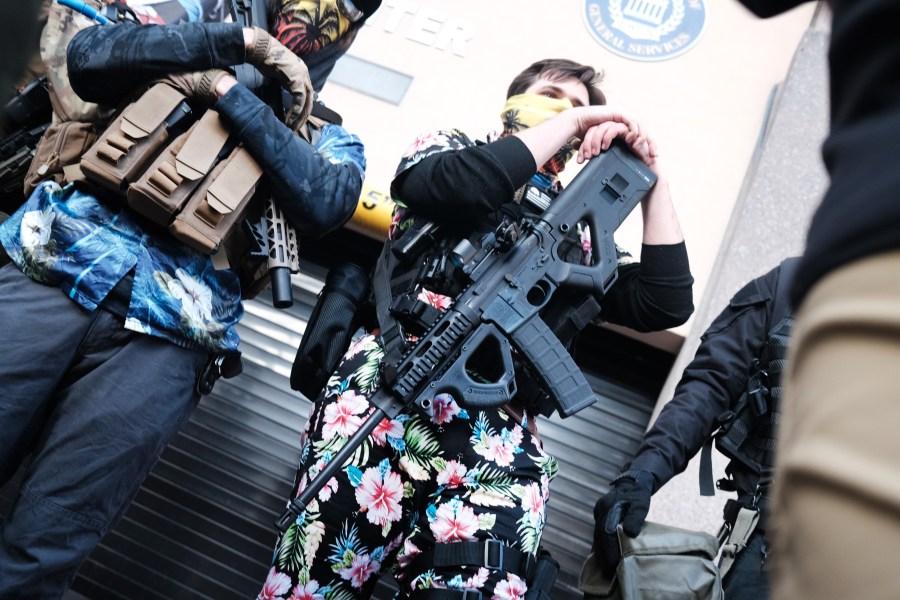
x: 439, y: 476
x: 65, y: 237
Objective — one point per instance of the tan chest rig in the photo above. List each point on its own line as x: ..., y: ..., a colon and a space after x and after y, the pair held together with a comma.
x: 191, y: 176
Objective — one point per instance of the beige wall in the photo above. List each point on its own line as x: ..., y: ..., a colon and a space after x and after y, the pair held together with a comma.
x: 704, y: 107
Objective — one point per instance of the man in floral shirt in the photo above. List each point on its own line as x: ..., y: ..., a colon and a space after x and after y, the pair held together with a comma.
x: 454, y: 477
x: 107, y: 321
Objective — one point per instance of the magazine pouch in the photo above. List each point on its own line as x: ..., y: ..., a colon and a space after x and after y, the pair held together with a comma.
x: 58, y: 152
x: 135, y: 137
x: 165, y: 187
x: 218, y: 203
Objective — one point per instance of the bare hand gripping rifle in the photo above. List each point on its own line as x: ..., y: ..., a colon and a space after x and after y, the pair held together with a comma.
x: 513, y: 276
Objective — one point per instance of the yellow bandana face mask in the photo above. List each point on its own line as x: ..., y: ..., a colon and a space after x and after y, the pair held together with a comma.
x: 527, y: 110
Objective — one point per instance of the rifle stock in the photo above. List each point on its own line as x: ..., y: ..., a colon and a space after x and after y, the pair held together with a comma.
x: 500, y: 311
x: 602, y: 195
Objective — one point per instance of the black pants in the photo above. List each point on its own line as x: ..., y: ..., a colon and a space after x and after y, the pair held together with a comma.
x: 95, y: 405
x: 748, y: 578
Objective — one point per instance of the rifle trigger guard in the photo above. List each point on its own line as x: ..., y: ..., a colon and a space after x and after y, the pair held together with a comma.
x: 461, y: 383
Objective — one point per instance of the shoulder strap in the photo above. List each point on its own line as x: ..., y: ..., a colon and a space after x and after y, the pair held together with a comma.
x: 250, y: 13
x: 391, y: 335
x: 326, y: 114
x: 781, y: 301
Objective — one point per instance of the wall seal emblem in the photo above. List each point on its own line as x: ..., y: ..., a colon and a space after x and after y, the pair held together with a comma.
x: 646, y: 30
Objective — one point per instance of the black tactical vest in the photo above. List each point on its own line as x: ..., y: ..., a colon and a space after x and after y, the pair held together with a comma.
x: 747, y: 435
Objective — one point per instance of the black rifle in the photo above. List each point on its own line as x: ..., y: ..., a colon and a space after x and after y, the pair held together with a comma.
x: 30, y: 107
x: 27, y: 115
x: 511, y: 281
x: 273, y: 240
x: 16, y: 153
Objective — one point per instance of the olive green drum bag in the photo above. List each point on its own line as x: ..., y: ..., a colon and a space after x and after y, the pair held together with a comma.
x: 662, y: 562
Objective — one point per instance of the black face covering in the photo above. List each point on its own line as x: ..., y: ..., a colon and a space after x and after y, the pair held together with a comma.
x: 770, y: 8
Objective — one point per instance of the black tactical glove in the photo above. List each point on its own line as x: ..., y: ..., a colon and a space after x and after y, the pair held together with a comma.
x: 627, y: 503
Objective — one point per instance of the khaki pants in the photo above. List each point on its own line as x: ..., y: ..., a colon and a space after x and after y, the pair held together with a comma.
x: 836, y: 517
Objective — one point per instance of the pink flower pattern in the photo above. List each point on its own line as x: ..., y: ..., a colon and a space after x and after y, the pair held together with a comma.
x: 587, y: 249
x: 425, y: 142
x: 455, y: 522
x: 499, y: 451
x: 513, y: 588
x: 438, y: 301
x: 309, y: 591
x: 443, y: 409
x: 533, y: 504
x: 360, y: 570
x: 392, y: 428
x: 329, y: 489
x: 357, y: 346
x: 379, y: 496
x: 453, y: 475
x: 516, y: 435
x: 408, y: 554
x: 477, y: 581
x: 276, y: 585
x: 342, y: 418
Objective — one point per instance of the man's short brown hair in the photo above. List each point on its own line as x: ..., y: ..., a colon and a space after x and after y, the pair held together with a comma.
x: 557, y: 69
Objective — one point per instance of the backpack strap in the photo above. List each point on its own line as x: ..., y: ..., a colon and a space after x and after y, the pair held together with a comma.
x: 736, y: 537
x: 782, y: 298
x: 326, y: 114
x: 394, y: 280
x: 491, y: 554
x: 250, y: 13
x: 538, y: 570
x: 391, y: 334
